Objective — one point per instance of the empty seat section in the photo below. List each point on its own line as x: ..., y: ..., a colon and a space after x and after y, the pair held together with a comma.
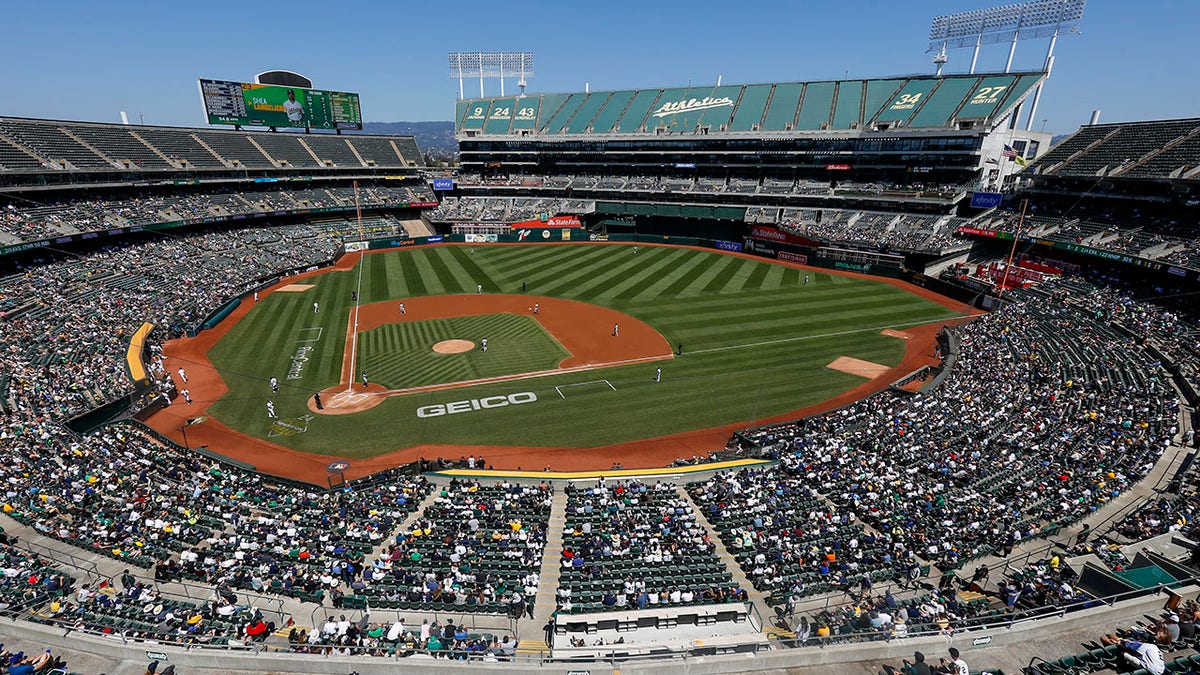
x: 333, y: 149
x: 119, y: 145
x: 285, y: 147
x: 234, y: 146
x: 180, y: 145
x: 47, y: 140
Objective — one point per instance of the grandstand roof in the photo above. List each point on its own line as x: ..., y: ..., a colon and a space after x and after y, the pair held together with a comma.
x: 914, y: 102
x: 1148, y: 150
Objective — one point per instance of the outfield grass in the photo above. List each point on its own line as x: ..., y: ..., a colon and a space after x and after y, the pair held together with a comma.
x: 400, y: 356
x: 757, y: 339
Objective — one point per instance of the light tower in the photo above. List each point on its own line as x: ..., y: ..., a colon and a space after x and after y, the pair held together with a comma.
x: 491, y: 64
x: 1031, y: 20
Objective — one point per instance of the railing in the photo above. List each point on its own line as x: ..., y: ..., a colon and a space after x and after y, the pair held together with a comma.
x: 1025, y: 616
x: 62, y: 557
x: 625, y: 653
x: 476, y: 623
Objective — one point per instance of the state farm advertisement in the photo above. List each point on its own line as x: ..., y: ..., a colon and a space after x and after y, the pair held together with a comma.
x: 768, y: 233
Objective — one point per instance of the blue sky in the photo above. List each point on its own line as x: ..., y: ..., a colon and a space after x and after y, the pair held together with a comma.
x: 90, y: 60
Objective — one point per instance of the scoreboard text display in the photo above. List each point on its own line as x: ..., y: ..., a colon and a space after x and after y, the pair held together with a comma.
x: 269, y: 105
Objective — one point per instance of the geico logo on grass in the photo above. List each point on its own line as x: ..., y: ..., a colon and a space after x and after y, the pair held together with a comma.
x: 486, y: 403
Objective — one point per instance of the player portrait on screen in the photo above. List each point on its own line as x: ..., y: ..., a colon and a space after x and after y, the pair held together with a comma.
x: 293, y: 108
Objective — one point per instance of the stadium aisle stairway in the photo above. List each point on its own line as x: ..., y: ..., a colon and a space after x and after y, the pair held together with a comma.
x: 739, y: 576
x: 544, y: 603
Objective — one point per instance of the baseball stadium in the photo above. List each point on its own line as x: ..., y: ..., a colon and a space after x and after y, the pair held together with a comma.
x: 828, y: 376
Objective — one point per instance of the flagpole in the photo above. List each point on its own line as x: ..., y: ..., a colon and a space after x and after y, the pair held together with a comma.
x: 1013, y: 251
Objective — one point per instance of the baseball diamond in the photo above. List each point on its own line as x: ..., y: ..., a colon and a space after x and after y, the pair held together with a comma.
x: 758, y: 343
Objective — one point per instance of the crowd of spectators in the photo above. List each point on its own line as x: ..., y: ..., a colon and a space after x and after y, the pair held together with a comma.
x: 1165, y: 232
x: 29, y: 223
x: 430, y: 639
x: 66, y: 320
x: 505, y: 209
x: 475, y: 548
x: 1049, y: 413
x: 629, y: 545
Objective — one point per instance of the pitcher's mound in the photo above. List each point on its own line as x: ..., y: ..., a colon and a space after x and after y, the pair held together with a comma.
x: 453, y: 346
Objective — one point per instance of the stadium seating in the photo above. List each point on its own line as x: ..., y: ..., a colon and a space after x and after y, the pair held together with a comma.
x: 1135, y: 149
x: 626, y: 542
x: 477, y: 548
x: 39, y: 145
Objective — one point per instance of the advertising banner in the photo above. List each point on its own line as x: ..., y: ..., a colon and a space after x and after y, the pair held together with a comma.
x: 768, y: 233
x: 986, y: 200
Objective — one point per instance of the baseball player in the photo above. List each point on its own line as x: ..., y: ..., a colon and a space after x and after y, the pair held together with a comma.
x: 535, y: 308
x: 187, y: 396
x: 271, y: 409
x: 316, y: 308
x: 658, y: 374
x: 275, y: 385
x: 616, y: 329
x: 483, y: 344
x: 364, y: 379
x: 182, y: 374
x: 402, y: 310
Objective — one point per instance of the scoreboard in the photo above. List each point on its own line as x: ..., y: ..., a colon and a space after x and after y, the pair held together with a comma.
x: 268, y: 105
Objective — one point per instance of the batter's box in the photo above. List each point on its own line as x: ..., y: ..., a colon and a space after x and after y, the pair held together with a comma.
x: 590, y: 385
x: 307, y: 334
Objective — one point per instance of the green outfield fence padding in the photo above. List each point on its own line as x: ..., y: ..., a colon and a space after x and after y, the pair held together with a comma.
x: 218, y: 316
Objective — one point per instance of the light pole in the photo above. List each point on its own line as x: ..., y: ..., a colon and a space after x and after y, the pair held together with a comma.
x: 191, y: 421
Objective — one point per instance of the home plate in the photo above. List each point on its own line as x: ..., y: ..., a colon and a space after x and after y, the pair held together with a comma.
x: 858, y: 367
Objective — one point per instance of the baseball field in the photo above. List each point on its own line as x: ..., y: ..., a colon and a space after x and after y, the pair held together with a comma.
x: 729, y: 339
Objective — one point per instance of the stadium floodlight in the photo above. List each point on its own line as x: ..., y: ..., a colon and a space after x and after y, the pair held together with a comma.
x: 491, y: 64
x: 1030, y: 20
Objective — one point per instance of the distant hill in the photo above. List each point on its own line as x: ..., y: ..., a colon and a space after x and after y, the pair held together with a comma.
x: 434, y: 138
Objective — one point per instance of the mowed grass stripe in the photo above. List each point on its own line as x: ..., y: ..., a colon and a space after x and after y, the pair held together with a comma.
x: 571, y: 267
x: 604, y: 281
x: 755, y: 281
x: 690, y: 272
x: 721, y: 278
x: 558, y: 259
x: 466, y: 261
x: 662, y: 261
x: 823, y: 309
x: 516, y: 344
x: 751, y: 332
x: 513, y: 261
x: 779, y: 303
x: 446, y: 278
x: 413, y: 274
x: 568, y: 282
